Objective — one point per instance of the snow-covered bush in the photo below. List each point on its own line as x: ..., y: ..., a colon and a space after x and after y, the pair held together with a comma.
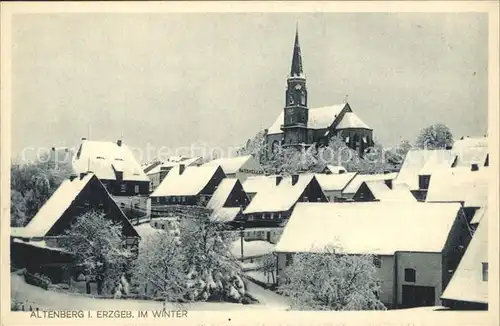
x: 329, y: 281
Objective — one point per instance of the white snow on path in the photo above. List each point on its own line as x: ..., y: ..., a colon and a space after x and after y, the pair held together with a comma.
x: 267, y: 297
x: 42, y: 299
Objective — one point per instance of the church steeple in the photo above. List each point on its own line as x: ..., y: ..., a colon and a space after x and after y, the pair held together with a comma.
x: 296, y: 69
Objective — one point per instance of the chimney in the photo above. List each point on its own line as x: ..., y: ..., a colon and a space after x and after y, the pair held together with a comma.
x: 295, y: 179
x: 83, y: 138
x: 474, y: 167
x: 182, y: 167
x: 82, y: 175
x: 119, y: 142
x: 278, y: 179
x: 72, y: 176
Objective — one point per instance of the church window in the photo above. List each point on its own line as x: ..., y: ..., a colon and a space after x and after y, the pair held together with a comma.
x: 303, y: 99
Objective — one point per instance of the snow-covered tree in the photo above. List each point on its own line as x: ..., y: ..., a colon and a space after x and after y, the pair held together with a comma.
x: 338, y: 153
x: 329, y: 281
x: 253, y: 146
x: 31, y: 186
x: 437, y: 136
x: 159, y: 267
x: 212, y: 271
x: 96, y: 243
x: 268, y: 266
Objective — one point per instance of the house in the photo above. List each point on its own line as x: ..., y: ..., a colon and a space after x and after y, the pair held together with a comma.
x: 333, y: 184
x: 251, y: 256
x: 240, y: 167
x: 352, y: 187
x: 228, y: 201
x: 415, y: 246
x: 115, y: 166
x: 468, y: 288
x: 38, y: 240
x: 157, y: 170
x: 466, y: 186
x: 471, y: 150
x: 273, y: 206
x: 255, y: 184
x: 419, y: 165
x: 190, y: 185
x: 377, y: 190
x: 271, y: 235
x: 300, y: 126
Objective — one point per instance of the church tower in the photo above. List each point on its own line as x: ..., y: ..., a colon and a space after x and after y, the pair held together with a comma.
x: 296, y: 112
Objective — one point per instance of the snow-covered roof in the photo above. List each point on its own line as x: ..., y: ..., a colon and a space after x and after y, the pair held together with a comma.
x: 381, y: 228
x: 459, y: 185
x: 251, y: 248
x: 17, y: 231
x: 279, y: 198
x: 319, y: 118
x: 259, y: 183
x: 351, y: 120
x: 414, y: 163
x: 356, y: 182
x: 222, y: 193
x: 436, y: 160
x: 336, y: 169
x: 467, y: 283
x: 382, y: 192
x: 55, y: 206
x: 479, y: 215
x: 470, y: 150
x: 169, y: 164
x: 192, y: 180
x: 146, y: 230
x: 40, y: 244
x: 332, y: 182
x: 232, y: 164
x: 104, y: 158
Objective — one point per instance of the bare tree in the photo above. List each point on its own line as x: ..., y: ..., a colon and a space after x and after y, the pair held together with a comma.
x: 329, y: 281
x: 96, y: 243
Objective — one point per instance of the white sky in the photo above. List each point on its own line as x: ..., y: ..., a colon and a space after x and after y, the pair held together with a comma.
x: 177, y: 79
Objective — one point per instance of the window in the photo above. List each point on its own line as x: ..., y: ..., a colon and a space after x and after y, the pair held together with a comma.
x: 289, y: 260
x: 123, y: 187
x: 410, y: 275
x: 250, y: 217
x: 485, y: 272
x: 377, y: 261
x: 272, y: 216
x: 136, y: 189
x: 183, y: 199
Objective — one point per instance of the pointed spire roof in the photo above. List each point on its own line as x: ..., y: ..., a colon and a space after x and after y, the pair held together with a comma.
x: 296, y: 69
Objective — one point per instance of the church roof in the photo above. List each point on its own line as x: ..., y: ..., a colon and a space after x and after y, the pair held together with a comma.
x: 351, y: 120
x: 319, y: 118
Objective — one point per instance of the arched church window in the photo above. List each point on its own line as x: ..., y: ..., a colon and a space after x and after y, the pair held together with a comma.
x: 302, y: 98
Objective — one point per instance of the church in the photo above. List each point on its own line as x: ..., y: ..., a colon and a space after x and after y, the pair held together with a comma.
x: 300, y: 126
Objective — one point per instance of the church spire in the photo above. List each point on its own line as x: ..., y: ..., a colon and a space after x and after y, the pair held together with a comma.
x: 296, y: 69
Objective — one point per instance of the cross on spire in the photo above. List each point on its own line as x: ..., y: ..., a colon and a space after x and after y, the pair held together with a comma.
x: 296, y: 69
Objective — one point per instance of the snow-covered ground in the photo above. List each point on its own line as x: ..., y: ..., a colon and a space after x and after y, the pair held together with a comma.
x: 145, y: 230
x: 42, y: 299
x: 251, y: 248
